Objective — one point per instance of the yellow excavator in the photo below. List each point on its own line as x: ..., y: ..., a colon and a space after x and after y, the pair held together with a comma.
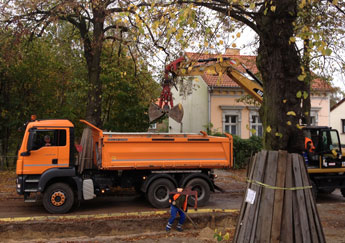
x: 195, y: 67
x: 326, y: 165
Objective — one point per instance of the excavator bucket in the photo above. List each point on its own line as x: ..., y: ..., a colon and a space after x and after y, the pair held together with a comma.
x: 176, y: 113
x: 155, y: 112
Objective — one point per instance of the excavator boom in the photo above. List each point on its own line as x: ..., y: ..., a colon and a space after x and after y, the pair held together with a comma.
x: 213, y: 66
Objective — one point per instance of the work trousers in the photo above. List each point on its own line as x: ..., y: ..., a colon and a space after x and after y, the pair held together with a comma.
x: 173, y: 212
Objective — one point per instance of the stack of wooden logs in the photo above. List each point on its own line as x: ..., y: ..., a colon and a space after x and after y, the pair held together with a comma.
x: 283, y: 208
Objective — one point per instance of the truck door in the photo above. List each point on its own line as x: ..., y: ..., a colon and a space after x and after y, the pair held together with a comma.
x: 48, y: 148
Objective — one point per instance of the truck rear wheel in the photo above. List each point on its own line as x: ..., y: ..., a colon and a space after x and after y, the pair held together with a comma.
x: 203, y: 189
x: 158, y: 193
x: 58, y: 198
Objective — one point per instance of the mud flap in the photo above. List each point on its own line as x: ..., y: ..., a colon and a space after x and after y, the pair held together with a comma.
x: 155, y: 112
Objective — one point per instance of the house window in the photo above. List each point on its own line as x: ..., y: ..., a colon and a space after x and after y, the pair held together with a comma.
x: 256, y: 125
x: 231, y: 119
x: 231, y: 124
x: 343, y: 125
x: 153, y: 126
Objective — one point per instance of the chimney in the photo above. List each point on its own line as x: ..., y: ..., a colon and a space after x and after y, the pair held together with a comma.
x: 232, y: 51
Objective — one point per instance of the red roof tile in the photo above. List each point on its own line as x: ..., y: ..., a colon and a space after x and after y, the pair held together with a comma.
x: 250, y: 62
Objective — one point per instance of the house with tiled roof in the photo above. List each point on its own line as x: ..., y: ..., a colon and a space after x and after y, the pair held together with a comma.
x: 219, y: 102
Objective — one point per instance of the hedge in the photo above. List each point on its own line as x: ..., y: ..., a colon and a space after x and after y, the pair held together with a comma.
x: 244, y: 149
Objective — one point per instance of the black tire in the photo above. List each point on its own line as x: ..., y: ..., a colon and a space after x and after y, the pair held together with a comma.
x: 58, y: 198
x: 314, y: 190
x: 203, y: 189
x: 158, y: 193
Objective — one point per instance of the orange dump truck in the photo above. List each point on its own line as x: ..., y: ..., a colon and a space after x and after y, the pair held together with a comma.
x: 154, y: 164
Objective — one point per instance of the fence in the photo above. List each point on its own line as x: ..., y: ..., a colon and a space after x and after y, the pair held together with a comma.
x: 8, y: 162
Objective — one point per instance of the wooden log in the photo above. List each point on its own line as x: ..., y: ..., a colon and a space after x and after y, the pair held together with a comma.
x: 287, y: 230
x: 243, y: 209
x: 252, y: 209
x: 263, y: 231
x: 257, y: 168
x: 301, y: 200
x: 316, y: 228
x: 279, y: 197
x: 284, y: 209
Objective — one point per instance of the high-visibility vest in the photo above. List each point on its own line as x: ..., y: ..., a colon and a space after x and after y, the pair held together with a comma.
x: 312, y: 147
x: 176, y: 196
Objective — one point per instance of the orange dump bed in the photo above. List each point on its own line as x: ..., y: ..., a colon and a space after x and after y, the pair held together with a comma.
x: 149, y: 151
x: 127, y: 151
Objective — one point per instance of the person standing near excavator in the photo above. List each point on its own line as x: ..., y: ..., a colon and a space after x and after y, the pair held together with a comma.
x: 178, y: 204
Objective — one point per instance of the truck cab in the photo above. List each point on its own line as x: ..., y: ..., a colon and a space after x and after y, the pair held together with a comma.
x: 42, y: 160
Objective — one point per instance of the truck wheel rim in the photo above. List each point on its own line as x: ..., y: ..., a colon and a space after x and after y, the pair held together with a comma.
x: 161, y: 193
x: 58, y: 198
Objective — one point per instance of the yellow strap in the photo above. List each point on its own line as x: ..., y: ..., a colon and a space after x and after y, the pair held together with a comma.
x: 279, y: 188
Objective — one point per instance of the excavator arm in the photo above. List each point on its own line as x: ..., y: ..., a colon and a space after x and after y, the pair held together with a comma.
x: 212, y: 66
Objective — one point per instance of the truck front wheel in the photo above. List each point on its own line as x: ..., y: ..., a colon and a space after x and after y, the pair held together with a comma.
x: 158, y: 193
x: 58, y: 198
x: 203, y: 190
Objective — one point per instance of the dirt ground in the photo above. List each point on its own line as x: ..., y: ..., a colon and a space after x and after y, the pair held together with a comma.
x: 102, y: 220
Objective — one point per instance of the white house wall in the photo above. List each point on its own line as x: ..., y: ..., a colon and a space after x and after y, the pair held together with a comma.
x: 195, y: 107
x: 320, y: 104
x: 337, y: 114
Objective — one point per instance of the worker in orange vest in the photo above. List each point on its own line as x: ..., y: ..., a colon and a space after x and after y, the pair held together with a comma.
x: 309, y: 145
x: 178, y: 204
x: 309, y: 150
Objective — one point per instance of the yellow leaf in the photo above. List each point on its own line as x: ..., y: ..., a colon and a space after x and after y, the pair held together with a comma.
x: 292, y: 39
x: 305, y: 95
x: 291, y: 113
x: 288, y: 123
x: 298, y: 126
x: 226, y: 236
x: 252, y: 6
x: 301, y: 77
x: 221, y: 42
x: 284, y: 101
x: 206, y: 44
x: 273, y: 8
x: 335, y: 2
x: 268, y: 129
x: 221, y: 59
x: 238, y: 34
x: 234, y: 45
x: 299, y: 94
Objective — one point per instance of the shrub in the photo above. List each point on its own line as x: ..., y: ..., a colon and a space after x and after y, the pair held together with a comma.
x: 244, y: 149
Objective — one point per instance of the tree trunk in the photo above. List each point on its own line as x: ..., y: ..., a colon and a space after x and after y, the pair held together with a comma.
x: 280, y: 66
x: 93, y: 51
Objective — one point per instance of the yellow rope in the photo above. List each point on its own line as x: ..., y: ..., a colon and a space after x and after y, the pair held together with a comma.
x: 277, y: 187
